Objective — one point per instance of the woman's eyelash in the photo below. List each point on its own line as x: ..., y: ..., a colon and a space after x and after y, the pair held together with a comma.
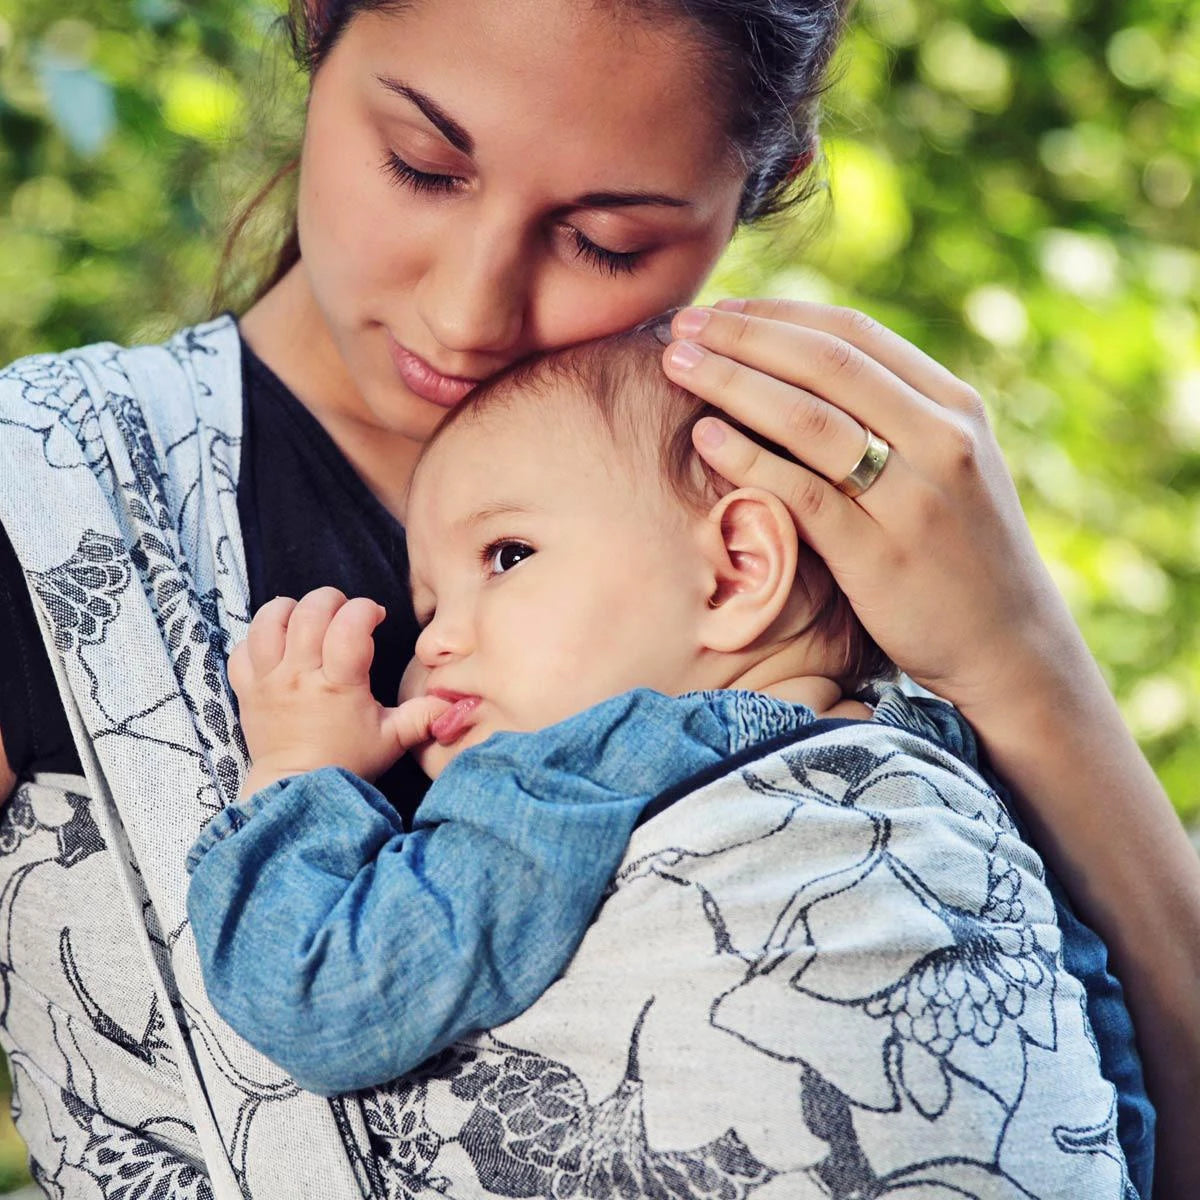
x: 613, y: 261
x: 420, y: 181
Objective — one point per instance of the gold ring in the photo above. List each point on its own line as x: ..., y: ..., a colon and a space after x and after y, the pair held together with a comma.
x: 868, y: 468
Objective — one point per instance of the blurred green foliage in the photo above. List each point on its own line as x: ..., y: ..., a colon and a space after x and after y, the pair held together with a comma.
x: 1012, y: 186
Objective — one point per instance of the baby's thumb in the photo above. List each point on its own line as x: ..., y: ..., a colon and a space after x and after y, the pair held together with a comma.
x: 411, y: 722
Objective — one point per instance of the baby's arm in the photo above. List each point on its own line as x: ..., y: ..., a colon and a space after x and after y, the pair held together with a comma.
x: 348, y: 950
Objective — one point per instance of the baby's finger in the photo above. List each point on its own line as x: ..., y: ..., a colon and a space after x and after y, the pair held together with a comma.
x: 411, y: 722
x: 923, y: 374
x: 267, y: 636
x: 349, y: 646
x: 307, y: 626
x: 241, y: 674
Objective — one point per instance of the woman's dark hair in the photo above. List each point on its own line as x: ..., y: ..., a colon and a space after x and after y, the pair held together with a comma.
x: 768, y: 58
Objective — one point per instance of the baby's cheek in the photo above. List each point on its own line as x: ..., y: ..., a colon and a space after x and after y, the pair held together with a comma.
x: 432, y: 758
x: 412, y: 682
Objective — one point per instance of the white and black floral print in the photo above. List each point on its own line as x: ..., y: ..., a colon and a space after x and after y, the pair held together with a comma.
x: 833, y: 972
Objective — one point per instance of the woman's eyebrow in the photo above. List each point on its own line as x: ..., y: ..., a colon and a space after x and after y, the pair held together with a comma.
x: 450, y: 129
x: 461, y: 140
x: 629, y: 200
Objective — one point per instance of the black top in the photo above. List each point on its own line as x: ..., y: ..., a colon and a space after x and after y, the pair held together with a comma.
x: 307, y: 520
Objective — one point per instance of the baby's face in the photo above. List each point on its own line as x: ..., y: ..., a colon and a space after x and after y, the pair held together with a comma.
x: 548, y: 574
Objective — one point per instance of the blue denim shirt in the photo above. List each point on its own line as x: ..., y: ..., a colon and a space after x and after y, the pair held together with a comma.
x: 349, y: 950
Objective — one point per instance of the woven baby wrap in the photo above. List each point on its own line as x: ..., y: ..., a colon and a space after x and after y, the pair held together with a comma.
x: 834, y: 969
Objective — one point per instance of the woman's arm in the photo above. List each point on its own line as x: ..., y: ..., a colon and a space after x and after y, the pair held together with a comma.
x: 8, y: 778
x: 941, y: 567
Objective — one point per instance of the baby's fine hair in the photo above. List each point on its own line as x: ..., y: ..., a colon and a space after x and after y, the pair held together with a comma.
x: 621, y: 381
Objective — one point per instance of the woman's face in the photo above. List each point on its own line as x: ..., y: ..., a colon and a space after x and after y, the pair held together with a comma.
x: 483, y: 179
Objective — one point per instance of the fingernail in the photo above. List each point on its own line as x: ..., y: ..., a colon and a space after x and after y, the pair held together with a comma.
x: 732, y: 304
x: 659, y: 327
x: 689, y: 322
x: 709, y: 432
x: 685, y: 355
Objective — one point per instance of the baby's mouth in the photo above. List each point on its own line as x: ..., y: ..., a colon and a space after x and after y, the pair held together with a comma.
x: 456, y: 720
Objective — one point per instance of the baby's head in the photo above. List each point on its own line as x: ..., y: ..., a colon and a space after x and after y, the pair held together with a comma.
x: 568, y: 544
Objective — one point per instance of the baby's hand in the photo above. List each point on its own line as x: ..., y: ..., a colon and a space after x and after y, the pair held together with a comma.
x: 302, y: 679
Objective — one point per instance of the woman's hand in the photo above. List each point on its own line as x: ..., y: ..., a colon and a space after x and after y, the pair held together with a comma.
x: 935, y: 556
x: 940, y: 565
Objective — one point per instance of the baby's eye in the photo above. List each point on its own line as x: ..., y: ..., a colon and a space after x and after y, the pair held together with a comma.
x: 503, y: 556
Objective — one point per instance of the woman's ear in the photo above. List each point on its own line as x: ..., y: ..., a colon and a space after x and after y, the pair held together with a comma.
x: 752, y: 552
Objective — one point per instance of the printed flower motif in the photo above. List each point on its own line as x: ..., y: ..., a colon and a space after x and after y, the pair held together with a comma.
x: 83, y: 595
x: 59, y: 408
x: 17, y: 821
x: 968, y: 990
x: 534, y: 1132
x: 65, y: 815
x: 129, y: 1166
x: 889, y: 1020
x: 404, y: 1144
x: 533, y: 1122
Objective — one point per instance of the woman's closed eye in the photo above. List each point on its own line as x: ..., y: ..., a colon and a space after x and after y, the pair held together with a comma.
x: 501, y: 556
x: 436, y: 183
x: 409, y: 176
x: 614, y: 262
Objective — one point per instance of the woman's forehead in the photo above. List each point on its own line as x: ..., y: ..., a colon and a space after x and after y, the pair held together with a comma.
x: 590, y: 93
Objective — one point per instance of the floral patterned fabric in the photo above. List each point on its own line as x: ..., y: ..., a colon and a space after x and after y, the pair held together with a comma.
x: 832, y: 971
x: 118, y: 473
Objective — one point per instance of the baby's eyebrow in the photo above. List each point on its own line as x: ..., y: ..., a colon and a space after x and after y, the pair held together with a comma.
x: 499, y: 509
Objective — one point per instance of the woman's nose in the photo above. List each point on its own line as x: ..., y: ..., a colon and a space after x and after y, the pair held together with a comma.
x: 474, y: 293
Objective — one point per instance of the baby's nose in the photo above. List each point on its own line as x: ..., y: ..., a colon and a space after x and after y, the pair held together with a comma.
x: 442, y: 640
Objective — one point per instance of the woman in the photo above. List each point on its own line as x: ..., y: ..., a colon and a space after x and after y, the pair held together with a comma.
x: 479, y: 182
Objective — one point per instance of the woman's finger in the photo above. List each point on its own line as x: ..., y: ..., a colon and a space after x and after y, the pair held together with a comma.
x: 267, y: 636
x: 820, y: 363
x: 923, y: 374
x: 840, y: 530
x: 307, y: 626
x: 826, y: 438
x: 349, y: 648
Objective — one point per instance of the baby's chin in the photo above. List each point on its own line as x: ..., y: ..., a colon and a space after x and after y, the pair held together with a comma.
x: 433, y: 758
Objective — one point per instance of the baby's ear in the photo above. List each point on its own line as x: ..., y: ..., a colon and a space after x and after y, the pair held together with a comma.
x: 751, y: 545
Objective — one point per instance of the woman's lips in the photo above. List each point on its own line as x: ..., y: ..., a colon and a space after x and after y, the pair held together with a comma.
x: 456, y: 720
x: 422, y: 380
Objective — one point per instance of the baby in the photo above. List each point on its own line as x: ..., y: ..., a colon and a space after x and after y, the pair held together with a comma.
x: 603, y: 621
x: 828, y: 949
